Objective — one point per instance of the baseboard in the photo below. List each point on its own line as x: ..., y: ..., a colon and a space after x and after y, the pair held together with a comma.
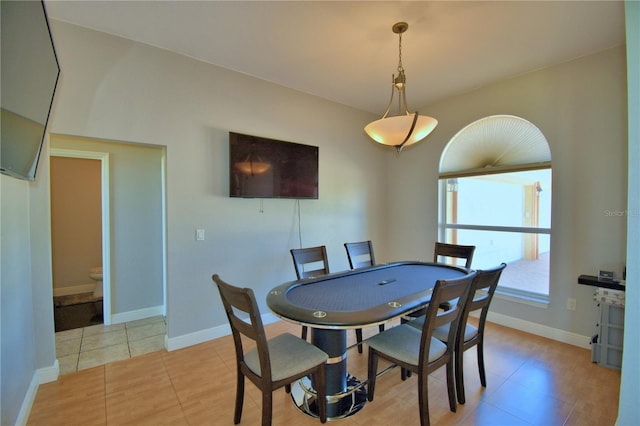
x: 49, y: 374
x: 202, y: 336
x: 507, y: 321
x: 74, y: 289
x: 541, y: 330
x: 137, y: 315
x: 40, y: 376
x: 27, y: 402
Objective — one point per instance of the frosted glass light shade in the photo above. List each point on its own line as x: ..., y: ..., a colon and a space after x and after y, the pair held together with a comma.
x: 393, y: 131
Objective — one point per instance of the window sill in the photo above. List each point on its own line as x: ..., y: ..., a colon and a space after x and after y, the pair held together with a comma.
x: 537, y: 300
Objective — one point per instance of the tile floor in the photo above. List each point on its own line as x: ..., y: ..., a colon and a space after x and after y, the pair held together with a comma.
x: 88, y: 347
x: 530, y: 381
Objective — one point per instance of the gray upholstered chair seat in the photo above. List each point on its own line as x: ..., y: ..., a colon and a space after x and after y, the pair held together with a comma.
x: 403, y: 343
x: 289, y: 356
x: 442, y: 333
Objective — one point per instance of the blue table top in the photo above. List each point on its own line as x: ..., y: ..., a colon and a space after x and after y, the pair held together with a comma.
x: 359, y: 297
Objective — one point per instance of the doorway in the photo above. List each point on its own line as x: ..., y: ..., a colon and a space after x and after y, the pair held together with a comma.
x: 80, y: 238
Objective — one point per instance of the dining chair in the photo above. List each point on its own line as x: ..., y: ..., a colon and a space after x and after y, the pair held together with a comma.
x: 272, y: 363
x: 417, y: 350
x: 310, y: 262
x: 454, y: 251
x: 481, y: 293
x: 361, y: 255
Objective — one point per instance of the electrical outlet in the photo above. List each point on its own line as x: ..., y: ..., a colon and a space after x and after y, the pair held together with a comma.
x: 199, y: 234
x: 571, y: 304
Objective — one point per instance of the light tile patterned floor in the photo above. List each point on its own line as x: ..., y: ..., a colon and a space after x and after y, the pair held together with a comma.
x: 530, y: 381
x: 96, y: 345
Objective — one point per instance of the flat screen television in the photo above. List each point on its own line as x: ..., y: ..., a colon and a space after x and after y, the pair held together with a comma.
x: 29, y: 76
x: 267, y: 168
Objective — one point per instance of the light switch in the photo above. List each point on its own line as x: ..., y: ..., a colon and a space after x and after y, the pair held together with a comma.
x: 199, y: 234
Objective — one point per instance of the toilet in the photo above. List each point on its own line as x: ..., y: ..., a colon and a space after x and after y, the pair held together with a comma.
x: 96, y: 275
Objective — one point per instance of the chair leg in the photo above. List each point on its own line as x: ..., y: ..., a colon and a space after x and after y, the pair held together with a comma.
x: 423, y: 399
x: 451, y: 387
x: 371, y: 375
x: 480, y: 350
x: 359, y: 339
x: 239, y: 398
x: 267, y: 402
x: 460, y: 376
x: 321, y: 389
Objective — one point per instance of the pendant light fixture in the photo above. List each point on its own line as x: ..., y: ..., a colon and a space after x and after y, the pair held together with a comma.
x: 405, y: 128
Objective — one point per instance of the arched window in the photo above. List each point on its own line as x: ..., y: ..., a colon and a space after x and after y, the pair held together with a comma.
x: 495, y: 193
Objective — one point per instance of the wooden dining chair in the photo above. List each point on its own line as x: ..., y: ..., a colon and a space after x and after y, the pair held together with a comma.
x: 417, y: 350
x: 310, y: 262
x: 361, y: 255
x: 272, y: 363
x: 452, y: 251
x: 481, y: 293
x: 455, y: 251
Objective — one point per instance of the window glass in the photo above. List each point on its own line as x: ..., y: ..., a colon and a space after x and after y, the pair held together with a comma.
x: 507, y: 217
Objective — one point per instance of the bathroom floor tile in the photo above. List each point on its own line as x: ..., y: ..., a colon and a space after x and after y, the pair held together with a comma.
x: 68, y: 347
x: 145, y: 321
x: 101, y: 328
x: 75, y: 333
x: 103, y: 356
x: 95, y: 345
x: 103, y: 340
x: 68, y: 363
x: 147, y: 345
x: 148, y: 330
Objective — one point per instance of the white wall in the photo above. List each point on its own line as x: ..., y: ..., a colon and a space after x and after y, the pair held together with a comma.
x: 629, y: 408
x: 115, y: 89
x: 18, y: 340
x: 580, y: 108
x: 27, y: 348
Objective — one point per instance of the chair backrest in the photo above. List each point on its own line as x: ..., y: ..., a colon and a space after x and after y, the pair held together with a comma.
x: 360, y: 254
x: 481, y: 293
x: 241, y: 301
x: 455, y: 251
x: 310, y: 262
x: 455, y: 291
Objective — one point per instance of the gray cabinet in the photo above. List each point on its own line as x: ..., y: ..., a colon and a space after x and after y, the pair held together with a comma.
x: 607, y: 344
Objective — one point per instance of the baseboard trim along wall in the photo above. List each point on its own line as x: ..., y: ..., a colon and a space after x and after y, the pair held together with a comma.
x: 541, y: 330
x: 74, y: 289
x: 511, y: 322
x: 40, y: 376
x: 202, y: 336
x: 137, y: 315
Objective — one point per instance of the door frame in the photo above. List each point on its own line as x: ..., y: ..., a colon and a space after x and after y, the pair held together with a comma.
x: 103, y: 157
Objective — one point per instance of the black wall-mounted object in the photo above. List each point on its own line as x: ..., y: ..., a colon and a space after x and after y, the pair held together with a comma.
x: 30, y: 74
x: 592, y: 280
x: 267, y: 168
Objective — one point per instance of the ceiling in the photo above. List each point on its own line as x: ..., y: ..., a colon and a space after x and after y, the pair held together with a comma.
x: 345, y: 51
